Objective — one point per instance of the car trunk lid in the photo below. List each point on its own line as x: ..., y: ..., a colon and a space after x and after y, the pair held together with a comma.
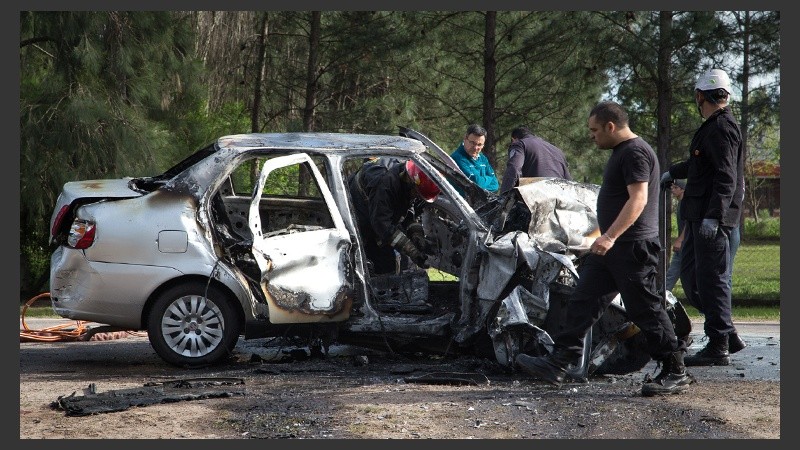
x: 76, y: 193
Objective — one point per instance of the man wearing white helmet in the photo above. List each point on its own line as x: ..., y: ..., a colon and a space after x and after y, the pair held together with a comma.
x: 713, y: 205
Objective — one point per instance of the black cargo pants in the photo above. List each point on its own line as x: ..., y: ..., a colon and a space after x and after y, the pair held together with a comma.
x: 630, y: 268
x: 705, y: 276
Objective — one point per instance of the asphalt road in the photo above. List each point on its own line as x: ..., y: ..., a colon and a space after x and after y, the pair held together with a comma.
x: 759, y: 361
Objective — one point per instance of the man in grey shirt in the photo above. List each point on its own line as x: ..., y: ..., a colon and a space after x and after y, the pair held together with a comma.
x: 532, y: 156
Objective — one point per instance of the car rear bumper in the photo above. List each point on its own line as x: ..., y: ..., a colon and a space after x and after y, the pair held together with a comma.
x: 108, y: 293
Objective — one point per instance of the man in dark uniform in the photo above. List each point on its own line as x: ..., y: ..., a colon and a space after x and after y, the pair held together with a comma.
x: 386, y: 194
x: 713, y: 205
x: 624, y: 259
x: 532, y: 156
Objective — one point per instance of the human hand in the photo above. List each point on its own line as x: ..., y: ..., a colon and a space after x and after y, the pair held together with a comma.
x: 405, y: 246
x: 666, y: 180
x: 419, y: 258
x: 417, y: 235
x: 708, y: 228
x: 602, y: 245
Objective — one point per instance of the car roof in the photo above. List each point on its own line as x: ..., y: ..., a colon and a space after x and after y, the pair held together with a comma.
x: 319, y: 142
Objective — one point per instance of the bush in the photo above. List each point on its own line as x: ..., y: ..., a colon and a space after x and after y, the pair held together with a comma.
x: 34, y: 268
x: 767, y: 228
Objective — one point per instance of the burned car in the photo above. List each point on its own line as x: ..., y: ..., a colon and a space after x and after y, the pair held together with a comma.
x: 254, y: 236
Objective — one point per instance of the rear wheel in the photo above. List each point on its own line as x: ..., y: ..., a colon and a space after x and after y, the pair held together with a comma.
x: 193, y: 325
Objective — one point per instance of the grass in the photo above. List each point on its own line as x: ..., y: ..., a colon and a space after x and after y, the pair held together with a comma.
x: 756, y: 275
x: 745, y: 313
x: 43, y: 312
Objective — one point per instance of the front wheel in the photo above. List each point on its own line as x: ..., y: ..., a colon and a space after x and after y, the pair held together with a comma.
x: 193, y: 325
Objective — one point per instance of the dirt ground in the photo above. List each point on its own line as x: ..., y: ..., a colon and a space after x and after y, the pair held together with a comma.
x: 356, y: 394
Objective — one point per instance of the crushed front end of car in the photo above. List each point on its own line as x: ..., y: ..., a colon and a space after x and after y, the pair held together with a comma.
x: 518, y: 268
x: 546, y: 228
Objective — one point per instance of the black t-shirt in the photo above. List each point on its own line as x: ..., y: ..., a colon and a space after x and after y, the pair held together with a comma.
x: 630, y: 162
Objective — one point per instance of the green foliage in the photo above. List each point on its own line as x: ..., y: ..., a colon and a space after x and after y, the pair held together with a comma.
x: 106, y: 92
x: 541, y: 69
x: 656, y: 56
x: 35, y: 267
x: 102, y: 94
x: 766, y: 228
x: 202, y: 128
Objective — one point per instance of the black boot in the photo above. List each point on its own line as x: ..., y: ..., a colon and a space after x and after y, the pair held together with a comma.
x: 715, y: 353
x: 545, y: 367
x: 672, y: 379
x: 735, y: 343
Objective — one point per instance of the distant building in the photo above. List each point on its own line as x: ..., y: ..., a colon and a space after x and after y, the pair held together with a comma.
x: 767, y: 176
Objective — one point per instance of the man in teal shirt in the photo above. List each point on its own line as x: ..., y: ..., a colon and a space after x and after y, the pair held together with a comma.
x: 473, y: 162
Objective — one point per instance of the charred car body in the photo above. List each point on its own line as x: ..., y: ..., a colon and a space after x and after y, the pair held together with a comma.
x: 255, y: 236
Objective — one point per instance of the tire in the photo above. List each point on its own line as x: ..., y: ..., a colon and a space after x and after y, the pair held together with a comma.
x: 189, y: 327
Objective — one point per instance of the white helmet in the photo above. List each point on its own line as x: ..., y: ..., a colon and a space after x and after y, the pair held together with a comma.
x: 714, y: 79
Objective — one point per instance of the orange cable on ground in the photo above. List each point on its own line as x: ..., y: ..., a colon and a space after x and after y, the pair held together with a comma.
x: 65, y: 332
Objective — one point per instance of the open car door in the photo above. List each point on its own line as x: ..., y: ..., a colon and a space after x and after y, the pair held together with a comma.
x: 304, y: 266
x: 435, y: 149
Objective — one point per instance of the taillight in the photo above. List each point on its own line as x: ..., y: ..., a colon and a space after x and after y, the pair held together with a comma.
x: 81, y: 234
x: 59, y: 218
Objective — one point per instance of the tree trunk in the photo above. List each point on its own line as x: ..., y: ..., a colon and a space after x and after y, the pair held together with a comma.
x: 260, y: 73
x: 663, y: 115
x: 311, y: 90
x: 311, y: 71
x: 489, y: 84
x: 745, y: 109
x: 260, y: 69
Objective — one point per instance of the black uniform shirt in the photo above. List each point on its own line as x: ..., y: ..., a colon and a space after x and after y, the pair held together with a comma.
x: 388, y: 197
x: 714, y: 171
x: 532, y: 156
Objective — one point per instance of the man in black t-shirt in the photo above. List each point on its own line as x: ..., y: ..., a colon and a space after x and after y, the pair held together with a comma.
x: 624, y: 259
